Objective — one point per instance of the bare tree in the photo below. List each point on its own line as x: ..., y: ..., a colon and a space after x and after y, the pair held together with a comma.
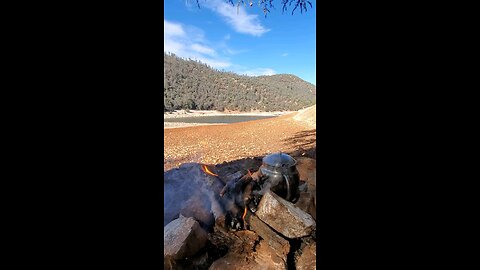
x: 266, y: 5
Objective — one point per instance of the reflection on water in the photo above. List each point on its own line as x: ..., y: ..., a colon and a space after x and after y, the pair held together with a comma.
x: 226, y: 119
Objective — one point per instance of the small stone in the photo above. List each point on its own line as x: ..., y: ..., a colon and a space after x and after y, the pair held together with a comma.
x: 183, y: 237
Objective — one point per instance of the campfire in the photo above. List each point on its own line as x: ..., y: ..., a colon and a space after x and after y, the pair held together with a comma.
x: 257, y: 215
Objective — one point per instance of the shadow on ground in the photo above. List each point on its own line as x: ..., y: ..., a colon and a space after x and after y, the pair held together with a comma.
x: 305, y: 142
x: 253, y: 163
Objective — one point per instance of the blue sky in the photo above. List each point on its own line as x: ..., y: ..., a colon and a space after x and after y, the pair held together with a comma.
x: 244, y: 42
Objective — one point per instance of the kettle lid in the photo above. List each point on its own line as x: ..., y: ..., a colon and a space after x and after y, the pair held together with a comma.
x: 279, y: 160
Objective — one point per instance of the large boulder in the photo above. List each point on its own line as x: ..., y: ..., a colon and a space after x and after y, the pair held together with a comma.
x: 182, y: 237
x: 284, y: 217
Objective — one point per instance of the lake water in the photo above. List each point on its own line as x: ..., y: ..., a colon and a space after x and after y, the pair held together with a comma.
x: 224, y: 119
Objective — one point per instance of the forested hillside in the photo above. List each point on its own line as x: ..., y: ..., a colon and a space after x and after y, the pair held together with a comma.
x: 190, y: 84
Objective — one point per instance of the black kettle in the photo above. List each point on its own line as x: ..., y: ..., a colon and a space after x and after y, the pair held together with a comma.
x: 280, y: 174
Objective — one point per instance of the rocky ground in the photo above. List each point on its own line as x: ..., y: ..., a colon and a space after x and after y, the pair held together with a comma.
x: 292, y: 133
x: 280, y: 235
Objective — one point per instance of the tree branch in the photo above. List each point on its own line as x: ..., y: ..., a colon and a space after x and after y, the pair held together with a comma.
x: 267, y: 4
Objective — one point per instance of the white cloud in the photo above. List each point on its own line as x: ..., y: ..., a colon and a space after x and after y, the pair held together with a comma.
x: 172, y: 29
x: 284, y: 54
x: 233, y: 52
x: 188, y: 41
x: 173, y: 46
x: 239, y: 19
x: 202, y: 49
x: 259, y: 72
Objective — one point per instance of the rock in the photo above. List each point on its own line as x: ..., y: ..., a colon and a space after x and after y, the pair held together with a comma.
x: 169, y: 263
x: 240, y: 254
x: 200, y: 261
x: 247, y: 251
x: 267, y: 258
x: 306, y: 202
x: 306, y: 259
x: 306, y: 168
x: 264, y: 258
x: 240, y: 241
x: 307, y: 171
x: 302, y: 187
x: 182, y: 237
x: 279, y: 244
x: 284, y: 217
x: 231, y: 261
x: 198, y: 208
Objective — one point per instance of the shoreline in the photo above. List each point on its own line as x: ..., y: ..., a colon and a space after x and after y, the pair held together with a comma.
x: 168, y: 125
x: 199, y: 113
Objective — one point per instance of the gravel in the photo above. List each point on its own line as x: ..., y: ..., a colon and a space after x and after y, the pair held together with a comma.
x: 214, y: 144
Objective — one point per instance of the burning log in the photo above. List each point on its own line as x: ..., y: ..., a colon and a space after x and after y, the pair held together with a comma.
x: 236, y: 195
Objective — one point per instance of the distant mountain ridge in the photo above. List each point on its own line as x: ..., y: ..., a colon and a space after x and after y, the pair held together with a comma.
x: 190, y: 84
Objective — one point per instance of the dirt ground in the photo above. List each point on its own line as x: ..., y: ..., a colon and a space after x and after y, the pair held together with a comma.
x: 215, y: 144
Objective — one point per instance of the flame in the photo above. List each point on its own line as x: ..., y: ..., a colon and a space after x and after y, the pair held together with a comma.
x: 205, y: 169
x: 249, y: 173
x: 243, y: 218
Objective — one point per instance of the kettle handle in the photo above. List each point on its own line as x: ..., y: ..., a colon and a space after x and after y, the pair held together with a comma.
x: 287, y: 179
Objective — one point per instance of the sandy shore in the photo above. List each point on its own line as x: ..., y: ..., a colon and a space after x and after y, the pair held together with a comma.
x: 196, y: 113
x: 200, y: 113
x: 182, y: 124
